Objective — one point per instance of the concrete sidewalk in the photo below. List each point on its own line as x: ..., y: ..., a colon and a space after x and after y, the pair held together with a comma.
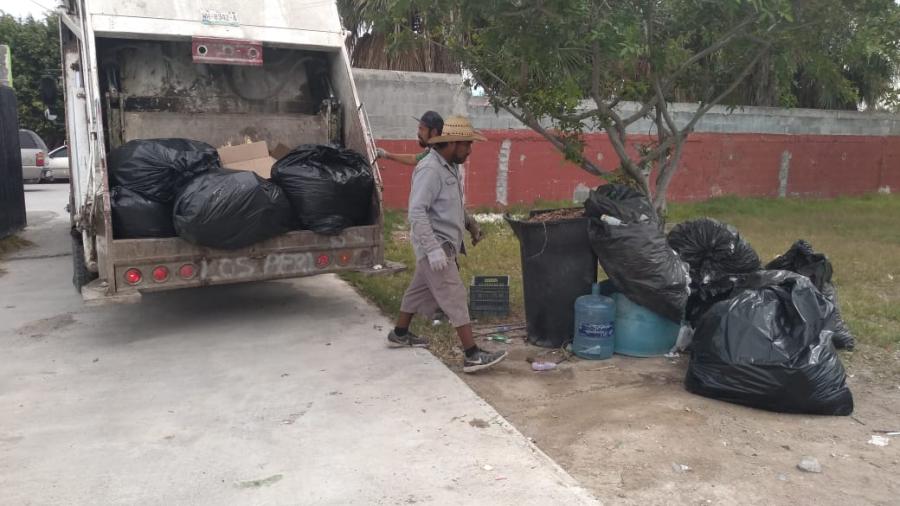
x: 270, y: 393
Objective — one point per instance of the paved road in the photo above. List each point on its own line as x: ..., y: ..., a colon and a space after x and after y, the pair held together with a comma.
x: 267, y: 393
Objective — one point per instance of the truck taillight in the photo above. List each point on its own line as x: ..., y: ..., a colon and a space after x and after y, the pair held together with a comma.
x: 133, y: 276
x: 187, y: 271
x: 39, y: 159
x: 161, y: 274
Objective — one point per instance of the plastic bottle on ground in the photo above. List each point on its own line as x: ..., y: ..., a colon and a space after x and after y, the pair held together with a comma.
x: 540, y: 365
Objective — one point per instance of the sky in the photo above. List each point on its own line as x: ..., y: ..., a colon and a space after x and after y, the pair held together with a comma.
x: 22, y: 8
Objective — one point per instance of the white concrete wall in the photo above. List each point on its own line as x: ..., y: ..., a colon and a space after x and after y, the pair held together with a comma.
x: 393, y: 98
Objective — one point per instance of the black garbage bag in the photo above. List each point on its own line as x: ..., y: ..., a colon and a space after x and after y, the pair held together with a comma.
x: 716, y: 253
x: 623, y: 202
x: 770, y: 347
x: 706, y: 296
x: 330, y: 188
x: 635, y: 254
x: 802, y: 259
x: 137, y: 217
x: 231, y: 209
x: 713, y: 249
x: 157, y: 168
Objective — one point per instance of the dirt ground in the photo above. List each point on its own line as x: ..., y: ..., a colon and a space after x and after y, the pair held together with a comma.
x: 625, y: 427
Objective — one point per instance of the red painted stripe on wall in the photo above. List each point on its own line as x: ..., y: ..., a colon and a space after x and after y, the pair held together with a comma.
x: 712, y: 165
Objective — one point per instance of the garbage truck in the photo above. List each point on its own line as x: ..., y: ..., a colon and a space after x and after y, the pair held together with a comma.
x: 273, y: 73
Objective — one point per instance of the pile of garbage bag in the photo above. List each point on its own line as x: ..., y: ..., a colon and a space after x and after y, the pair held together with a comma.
x: 164, y: 187
x: 770, y: 346
x: 330, y: 188
x: 631, y: 248
x: 145, y: 175
x: 231, y: 209
x: 760, y: 338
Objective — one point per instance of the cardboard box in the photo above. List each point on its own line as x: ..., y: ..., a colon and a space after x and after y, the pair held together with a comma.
x: 253, y: 157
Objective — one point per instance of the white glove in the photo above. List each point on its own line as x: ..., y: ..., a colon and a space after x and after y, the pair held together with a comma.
x: 380, y: 153
x: 437, y: 259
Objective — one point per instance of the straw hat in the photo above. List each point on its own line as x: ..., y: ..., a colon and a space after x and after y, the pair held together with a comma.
x: 457, y: 129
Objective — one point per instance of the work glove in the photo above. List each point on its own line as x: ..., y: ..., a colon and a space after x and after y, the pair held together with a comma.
x: 380, y: 153
x: 475, y: 231
x: 437, y: 259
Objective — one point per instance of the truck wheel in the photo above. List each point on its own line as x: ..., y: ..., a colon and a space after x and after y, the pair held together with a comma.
x: 80, y: 273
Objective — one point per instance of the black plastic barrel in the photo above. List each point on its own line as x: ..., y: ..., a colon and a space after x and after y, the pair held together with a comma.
x: 558, y: 266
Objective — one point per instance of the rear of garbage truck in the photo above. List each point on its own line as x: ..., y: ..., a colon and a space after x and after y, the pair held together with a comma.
x: 259, y: 77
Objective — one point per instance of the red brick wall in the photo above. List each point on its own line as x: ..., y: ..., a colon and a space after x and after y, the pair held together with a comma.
x: 712, y: 165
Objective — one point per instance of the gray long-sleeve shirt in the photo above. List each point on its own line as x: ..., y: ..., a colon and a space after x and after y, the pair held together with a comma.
x: 436, y: 213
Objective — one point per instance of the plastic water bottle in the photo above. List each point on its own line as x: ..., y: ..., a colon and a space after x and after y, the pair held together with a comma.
x: 540, y: 365
x: 595, y: 324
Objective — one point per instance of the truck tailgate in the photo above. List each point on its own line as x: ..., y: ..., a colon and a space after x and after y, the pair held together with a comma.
x: 298, y: 253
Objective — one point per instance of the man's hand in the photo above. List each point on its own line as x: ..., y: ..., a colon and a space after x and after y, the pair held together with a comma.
x: 475, y: 231
x: 380, y: 153
x: 437, y: 259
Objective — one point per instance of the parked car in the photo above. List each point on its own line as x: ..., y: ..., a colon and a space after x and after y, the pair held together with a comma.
x: 58, y: 165
x: 34, y: 156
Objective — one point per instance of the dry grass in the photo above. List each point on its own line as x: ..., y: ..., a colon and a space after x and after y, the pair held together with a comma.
x: 860, y: 235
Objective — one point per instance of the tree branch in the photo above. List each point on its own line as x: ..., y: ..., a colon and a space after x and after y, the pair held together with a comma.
x: 556, y: 140
x: 579, y: 117
x: 641, y: 113
x: 662, y: 147
x: 728, y: 37
x: 663, y: 106
x: 737, y: 81
x: 666, y: 172
x: 595, y: 69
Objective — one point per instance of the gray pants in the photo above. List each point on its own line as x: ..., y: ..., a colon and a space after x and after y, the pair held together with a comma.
x: 430, y: 290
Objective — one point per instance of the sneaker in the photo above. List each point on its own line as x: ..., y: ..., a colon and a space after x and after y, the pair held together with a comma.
x: 410, y: 339
x: 483, y: 360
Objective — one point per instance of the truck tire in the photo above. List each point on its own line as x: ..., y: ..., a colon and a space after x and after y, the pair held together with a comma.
x: 80, y: 273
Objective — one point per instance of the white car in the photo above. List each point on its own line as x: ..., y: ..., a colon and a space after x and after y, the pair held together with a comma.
x: 58, y: 165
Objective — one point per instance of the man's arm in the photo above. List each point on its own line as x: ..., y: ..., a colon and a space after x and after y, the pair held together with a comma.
x: 411, y: 159
x: 426, y: 185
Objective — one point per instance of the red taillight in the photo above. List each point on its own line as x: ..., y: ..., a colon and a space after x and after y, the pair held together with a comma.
x: 133, y: 276
x: 161, y: 274
x: 39, y: 159
x: 345, y: 258
x: 323, y: 261
x: 187, y: 271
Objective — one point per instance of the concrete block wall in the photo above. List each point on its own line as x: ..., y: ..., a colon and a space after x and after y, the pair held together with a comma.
x: 752, y: 151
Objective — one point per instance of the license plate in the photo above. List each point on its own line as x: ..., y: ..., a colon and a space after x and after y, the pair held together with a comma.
x: 214, y: 17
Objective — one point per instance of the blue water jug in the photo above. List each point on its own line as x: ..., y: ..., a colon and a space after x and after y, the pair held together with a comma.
x: 595, y: 320
x: 641, y: 332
